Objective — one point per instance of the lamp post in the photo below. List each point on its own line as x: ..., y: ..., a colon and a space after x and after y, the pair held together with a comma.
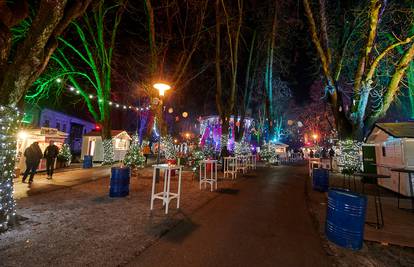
x: 161, y: 87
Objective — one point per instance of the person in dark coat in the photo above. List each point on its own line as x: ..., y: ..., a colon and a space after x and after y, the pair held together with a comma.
x: 331, y: 156
x: 33, y: 156
x: 51, y: 154
x: 311, y: 154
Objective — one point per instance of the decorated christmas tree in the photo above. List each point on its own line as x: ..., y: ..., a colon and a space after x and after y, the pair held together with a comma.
x: 168, y: 148
x: 209, y: 152
x: 268, y: 153
x: 242, y: 149
x: 134, y: 157
x: 196, y: 157
x: 64, y: 154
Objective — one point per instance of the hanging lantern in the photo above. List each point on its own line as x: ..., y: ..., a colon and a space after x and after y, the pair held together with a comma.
x: 290, y: 122
x: 177, y: 118
x: 170, y: 110
x: 238, y: 123
x: 185, y: 114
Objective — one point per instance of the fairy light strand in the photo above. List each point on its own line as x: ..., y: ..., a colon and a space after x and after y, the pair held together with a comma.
x: 113, y: 104
x: 10, y: 119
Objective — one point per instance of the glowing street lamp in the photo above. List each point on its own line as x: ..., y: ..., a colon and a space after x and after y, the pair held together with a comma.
x: 162, y: 87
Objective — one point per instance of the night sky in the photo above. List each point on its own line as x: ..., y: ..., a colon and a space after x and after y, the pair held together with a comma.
x: 295, y: 59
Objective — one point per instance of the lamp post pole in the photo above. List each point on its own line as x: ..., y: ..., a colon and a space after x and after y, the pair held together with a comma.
x: 161, y: 87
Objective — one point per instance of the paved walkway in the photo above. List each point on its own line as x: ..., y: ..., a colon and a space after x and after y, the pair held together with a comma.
x: 61, y: 179
x: 263, y: 221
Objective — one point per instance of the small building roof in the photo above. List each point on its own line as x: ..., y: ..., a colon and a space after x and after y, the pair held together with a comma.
x: 48, y: 132
x: 277, y: 143
x: 114, y: 133
x: 395, y: 129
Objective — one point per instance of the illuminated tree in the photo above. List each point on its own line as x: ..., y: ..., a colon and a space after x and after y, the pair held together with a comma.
x: 360, y: 30
x: 225, y: 99
x: 86, y: 68
x: 27, y: 41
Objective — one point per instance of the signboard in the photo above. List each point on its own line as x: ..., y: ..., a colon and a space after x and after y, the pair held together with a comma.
x: 369, y: 159
x: 48, y: 131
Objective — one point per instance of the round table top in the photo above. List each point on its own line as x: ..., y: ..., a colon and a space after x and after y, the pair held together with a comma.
x: 167, y: 166
x: 371, y: 175
x: 209, y: 161
x: 405, y: 170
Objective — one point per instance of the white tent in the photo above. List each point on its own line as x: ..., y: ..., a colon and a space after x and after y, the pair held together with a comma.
x: 92, y: 144
x: 394, y: 148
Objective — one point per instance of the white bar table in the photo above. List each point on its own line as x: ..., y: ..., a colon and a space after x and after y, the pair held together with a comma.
x: 166, y: 196
x: 253, y: 159
x: 230, y: 164
x: 251, y: 162
x: 241, y: 164
x: 212, y: 179
x: 313, y: 162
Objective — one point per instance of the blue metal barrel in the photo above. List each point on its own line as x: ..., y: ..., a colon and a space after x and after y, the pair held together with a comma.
x: 345, y: 218
x: 119, y: 186
x: 87, y: 162
x: 320, y: 179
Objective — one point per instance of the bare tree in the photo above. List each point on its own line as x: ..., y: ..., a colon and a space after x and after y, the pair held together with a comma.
x: 360, y: 116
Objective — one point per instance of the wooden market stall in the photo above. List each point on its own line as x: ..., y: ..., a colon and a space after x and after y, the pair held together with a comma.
x: 393, y: 144
x: 43, y: 136
x: 280, y: 149
x: 92, y: 145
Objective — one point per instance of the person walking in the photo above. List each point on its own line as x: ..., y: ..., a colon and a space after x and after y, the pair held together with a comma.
x: 51, y: 154
x: 33, y: 156
x: 331, y: 156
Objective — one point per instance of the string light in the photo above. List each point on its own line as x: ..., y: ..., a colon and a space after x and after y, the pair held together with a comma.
x: 9, y: 122
x: 117, y: 105
x: 108, y: 152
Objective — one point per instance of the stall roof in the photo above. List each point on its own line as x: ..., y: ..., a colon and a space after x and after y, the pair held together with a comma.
x: 396, y: 129
x: 279, y: 144
x: 48, y: 132
x: 114, y: 133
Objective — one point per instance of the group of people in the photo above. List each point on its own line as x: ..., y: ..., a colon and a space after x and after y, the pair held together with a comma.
x: 33, y: 155
x: 324, y: 153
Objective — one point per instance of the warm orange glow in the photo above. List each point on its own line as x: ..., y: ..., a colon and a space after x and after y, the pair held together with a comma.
x: 315, y: 136
x: 162, y: 87
x: 187, y: 135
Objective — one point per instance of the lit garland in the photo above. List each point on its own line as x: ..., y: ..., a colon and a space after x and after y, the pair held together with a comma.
x: 108, y: 147
x: 9, y: 124
x: 167, y: 146
x: 111, y: 103
x: 348, y: 154
x: 134, y: 157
